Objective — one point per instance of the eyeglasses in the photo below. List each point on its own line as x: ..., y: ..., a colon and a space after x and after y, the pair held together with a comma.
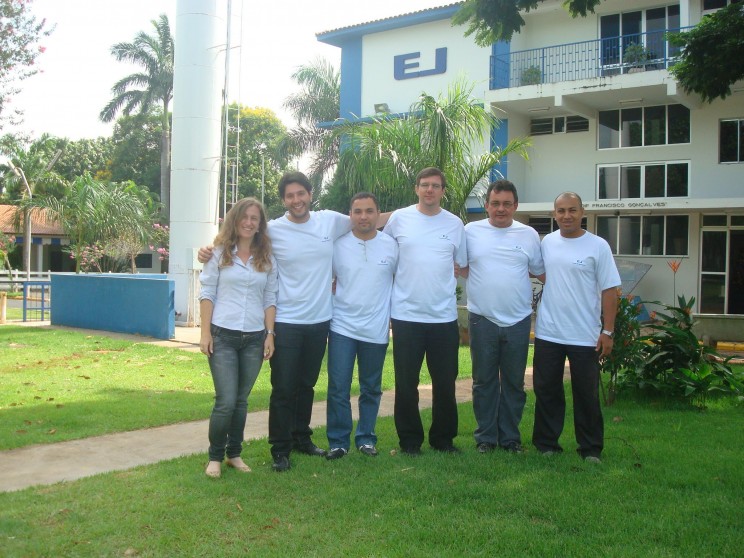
x: 505, y: 205
x: 427, y: 185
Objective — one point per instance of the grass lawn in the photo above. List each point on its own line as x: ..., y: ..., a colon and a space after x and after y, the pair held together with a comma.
x: 672, y: 484
x: 63, y: 385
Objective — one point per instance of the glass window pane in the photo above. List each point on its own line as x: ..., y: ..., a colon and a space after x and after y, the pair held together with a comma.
x: 654, y: 125
x: 714, y: 220
x: 713, y: 4
x: 728, y: 141
x: 608, y: 183
x: 559, y: 125
x: 655, y: 27
x: 609, y: 129
x: 713, y: 255
x: 737, y: 220
x: 541, y: 224
x: 712, y: 294
x: 610, y: 31
x: 676, y: 235
x: 673, y: 24
x: 654, y: 178
x: 630, y: 235
x: 541, y: 126
x: 677, y: 179
x: 741, y: 141
x: 607, y: 229
x: 631, y: 127
x: 679, y: 124
x: 653, y: 236
x: 630, y: 182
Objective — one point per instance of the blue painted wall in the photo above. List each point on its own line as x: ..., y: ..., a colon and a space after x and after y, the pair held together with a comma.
x: 499, y: 138
x: 351, y: 83
x: 140, y: 304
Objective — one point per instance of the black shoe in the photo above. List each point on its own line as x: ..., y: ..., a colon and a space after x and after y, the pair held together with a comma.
x: 447, y: 449
x: 485, y: 447
x: 308, y: 448
x: 335, y: 453
x: 368, y: 449
x: 281, y: 463
x: 513, y: 448
x: 411, y: 451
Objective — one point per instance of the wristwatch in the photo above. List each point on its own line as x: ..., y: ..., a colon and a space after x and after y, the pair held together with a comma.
x: 271, y: 332
x: 608, y: 333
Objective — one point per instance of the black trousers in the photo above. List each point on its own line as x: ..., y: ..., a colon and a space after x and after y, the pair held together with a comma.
x: 439, y: 343
x: 295, y: 366
x: 550, y: 408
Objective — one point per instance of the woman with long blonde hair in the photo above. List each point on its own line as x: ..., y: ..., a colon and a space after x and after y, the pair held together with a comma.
x: 238, y: 308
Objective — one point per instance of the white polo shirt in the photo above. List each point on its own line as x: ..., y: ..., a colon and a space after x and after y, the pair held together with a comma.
x: 364, y: 272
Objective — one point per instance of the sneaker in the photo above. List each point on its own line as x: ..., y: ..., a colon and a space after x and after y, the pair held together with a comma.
x: 281, y: 464
x: 308, y: 448
x: 485, y: 447
x: 411, y: 451
x: 368, y: 449
x: 447, y: 449
x: 335, y: 453
x: 593, y: 459
x: 513, y: 448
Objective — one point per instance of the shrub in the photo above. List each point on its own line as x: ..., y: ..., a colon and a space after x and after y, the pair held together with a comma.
x: 627, y: 351
x: 531, y: 76
x: 673, y: 362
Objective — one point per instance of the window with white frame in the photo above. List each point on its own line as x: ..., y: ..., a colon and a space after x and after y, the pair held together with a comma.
x: 643, y: 180
x: 652, y: 235
x: 641, y: 126
x: 731, y: 141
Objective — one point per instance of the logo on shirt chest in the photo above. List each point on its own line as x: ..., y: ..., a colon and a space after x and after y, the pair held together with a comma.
x: 579, y: 263
x: 383, y: 261
x: 444, y: 236
x: 325, y: 239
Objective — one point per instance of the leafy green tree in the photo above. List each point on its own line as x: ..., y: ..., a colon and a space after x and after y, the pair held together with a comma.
x: 84, y: 155
x: 136, y: 151
x: 38, y: 163
x: 142, y: 91
x: 385, y: 155
x: 20, y: 33
x: 318, y: 100
x: 497, y: 20
x: 712, y: 58
x: 261, y: 132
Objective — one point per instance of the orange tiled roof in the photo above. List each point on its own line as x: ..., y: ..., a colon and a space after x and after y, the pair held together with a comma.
x: 41, y: 222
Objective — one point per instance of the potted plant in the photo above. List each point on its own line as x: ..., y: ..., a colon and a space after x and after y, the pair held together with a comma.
x: 531, y: 76
x: 635, y: 57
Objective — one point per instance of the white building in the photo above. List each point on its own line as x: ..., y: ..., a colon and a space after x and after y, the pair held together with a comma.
x: 661, y: 174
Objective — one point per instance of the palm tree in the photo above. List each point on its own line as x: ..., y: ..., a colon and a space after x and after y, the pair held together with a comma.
x: 142, y: 91
x: 29, y: 172
x: 95, y: 212
x: 383, y: 156
x: 317, y: 101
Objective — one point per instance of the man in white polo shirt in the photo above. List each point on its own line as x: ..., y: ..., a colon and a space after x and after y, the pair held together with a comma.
x: 576, y: 320
x: 364, y: 263
x: 424, y: 313
x: 501, y: 254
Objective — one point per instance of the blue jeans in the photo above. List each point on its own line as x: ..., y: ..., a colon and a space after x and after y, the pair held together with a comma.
x: 295, y: 367
x: 342, y: 351
x: 499, y: 356
x: 235, y: 364
x: 550, y: 399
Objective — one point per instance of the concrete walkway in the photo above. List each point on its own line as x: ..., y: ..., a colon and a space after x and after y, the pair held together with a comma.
x: 67, y: 461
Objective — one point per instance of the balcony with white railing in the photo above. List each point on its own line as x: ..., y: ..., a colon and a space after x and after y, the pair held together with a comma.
x: 584, y: 60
